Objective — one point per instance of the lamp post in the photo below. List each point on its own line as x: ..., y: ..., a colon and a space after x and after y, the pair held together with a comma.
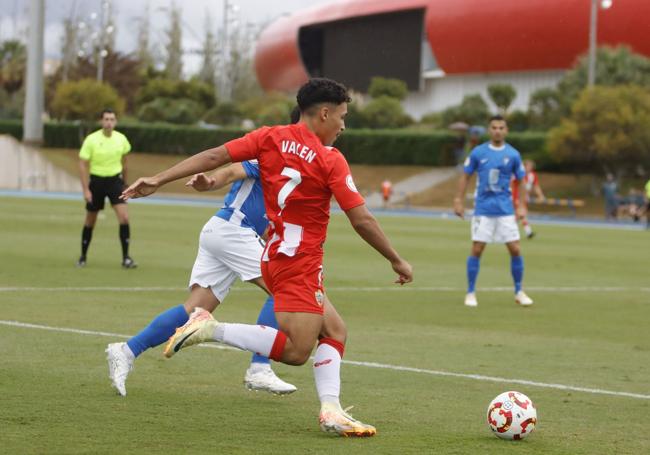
x: 593, y: 33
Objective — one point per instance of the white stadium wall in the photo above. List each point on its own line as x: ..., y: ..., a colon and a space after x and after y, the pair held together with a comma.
x: 440, y: 92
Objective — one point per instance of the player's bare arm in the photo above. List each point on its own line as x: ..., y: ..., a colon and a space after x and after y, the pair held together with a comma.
x: 84, y: 174
x: 220, y: 178
x: 366, y: 225
x: 201, y: 162
x: 459, y: 206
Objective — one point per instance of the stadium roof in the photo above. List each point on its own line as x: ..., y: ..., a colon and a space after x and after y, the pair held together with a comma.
x: 468, y: 36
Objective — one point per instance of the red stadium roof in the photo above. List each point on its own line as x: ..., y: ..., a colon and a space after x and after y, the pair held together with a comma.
x: 469, y: 36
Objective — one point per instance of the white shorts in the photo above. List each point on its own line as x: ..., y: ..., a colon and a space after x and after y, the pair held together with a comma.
x: 495, y: 229
x: 226, y: 252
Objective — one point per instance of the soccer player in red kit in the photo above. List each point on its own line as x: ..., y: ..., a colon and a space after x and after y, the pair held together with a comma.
x: 300, y: 172
x: 532, y: 187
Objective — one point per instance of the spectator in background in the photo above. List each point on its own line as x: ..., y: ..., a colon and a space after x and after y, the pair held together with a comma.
x: 610, y: 189
x: 386, y: 191
x: 634, y: 205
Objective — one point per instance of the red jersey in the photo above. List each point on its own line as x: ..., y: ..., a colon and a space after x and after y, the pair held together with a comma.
x: 530, y: 180
x: 299, y: 175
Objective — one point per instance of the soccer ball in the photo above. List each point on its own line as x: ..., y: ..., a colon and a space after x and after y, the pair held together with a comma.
x: 512, y: 415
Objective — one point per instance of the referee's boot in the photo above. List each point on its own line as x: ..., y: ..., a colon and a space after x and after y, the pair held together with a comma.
x: 128, y: 263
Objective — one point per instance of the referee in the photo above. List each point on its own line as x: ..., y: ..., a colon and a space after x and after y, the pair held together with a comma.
x: 102, y: 162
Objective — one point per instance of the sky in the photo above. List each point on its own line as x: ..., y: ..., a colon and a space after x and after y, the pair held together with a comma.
x: 14, y: 17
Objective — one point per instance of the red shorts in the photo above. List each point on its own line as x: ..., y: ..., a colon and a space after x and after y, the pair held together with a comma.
x: 296, y: 283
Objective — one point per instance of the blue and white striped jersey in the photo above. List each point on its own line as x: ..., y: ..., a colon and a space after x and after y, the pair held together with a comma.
x: 244, y: 203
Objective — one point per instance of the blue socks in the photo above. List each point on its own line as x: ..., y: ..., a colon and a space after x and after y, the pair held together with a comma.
x: 473, y: 265
x: 158, y: 330
x: 267, y: 318
x: 517, y: 270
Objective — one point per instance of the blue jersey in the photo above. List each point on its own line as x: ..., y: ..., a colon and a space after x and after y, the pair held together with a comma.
x: 244, y: 203
x: 494, y: 168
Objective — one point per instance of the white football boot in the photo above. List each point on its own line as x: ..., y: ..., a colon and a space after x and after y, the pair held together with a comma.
x: 470, y: 299
x: 260, y: 376
x: 197, y: 329
x: 333, y: 419
x: 522, y: 299
x: 120, y: 365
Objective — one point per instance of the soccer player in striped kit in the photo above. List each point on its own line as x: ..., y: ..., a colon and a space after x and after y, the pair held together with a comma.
x: 230, y: 248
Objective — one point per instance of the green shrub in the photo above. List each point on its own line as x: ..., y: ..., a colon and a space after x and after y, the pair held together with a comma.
x: 12, y: 128
x: 183, y: 111
x: 195, y: 90
x: 84, y: 100
x: 224, y: 114
x: 392, y: 88
x: 396, y: 147
x: 385, y: 112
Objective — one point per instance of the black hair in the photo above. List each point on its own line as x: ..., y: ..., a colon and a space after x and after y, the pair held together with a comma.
x: 321, y: 90
x: 106, y: 111
x: 295, y: 114
x: 497, y: 118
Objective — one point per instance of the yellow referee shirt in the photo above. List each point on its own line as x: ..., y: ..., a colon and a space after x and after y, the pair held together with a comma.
x: 104, y: 153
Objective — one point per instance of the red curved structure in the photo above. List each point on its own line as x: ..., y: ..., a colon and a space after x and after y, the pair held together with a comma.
x: 469, y: 36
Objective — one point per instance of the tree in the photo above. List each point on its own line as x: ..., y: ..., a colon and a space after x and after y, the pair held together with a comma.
x: 209, y: 66
x: 84, y: 100
x: 13, y: 64
x: 143, y: 51
x: 544, y: 109
x: 121, y: 71
x: 472, y: 110
x: 502, y: 95
x: 393, y: 88
x: 69, y: 46
x: 615, y: 66
x: 174, y: 61
x: 608, y: 126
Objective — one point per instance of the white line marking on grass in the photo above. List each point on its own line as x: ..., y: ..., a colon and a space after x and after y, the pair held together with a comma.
x: 477, y: 377
x: 336, y: 289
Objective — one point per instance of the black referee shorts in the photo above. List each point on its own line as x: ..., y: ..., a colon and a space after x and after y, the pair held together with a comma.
x: 103, y: 187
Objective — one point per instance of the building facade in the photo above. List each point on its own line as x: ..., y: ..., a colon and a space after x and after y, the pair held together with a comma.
x: 443, y: 49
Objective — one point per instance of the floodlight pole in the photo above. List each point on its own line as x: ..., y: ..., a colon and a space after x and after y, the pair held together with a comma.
x: 33, y: 113
x: 593, y: 24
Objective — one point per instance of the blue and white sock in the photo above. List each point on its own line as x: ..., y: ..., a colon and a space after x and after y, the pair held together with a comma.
x: 473, y: 266
x: 517, y: 270
x: 159, y: 330
x: 267, y: 318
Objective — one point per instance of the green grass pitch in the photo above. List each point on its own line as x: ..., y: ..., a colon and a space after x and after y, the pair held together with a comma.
x: 589, y: 328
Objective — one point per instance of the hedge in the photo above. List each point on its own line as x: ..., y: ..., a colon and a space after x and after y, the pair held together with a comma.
x: 389, y: 147
x: 12, y: 127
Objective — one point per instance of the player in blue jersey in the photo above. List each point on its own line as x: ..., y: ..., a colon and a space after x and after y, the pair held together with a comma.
x: 230, y: 247
x: 495, y: 163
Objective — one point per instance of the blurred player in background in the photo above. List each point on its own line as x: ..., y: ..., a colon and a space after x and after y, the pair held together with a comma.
x: 102, y: 165
x: 495, y: 163
x: 386, y: 191
x: 532, y: 187
x: 300, y: 172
